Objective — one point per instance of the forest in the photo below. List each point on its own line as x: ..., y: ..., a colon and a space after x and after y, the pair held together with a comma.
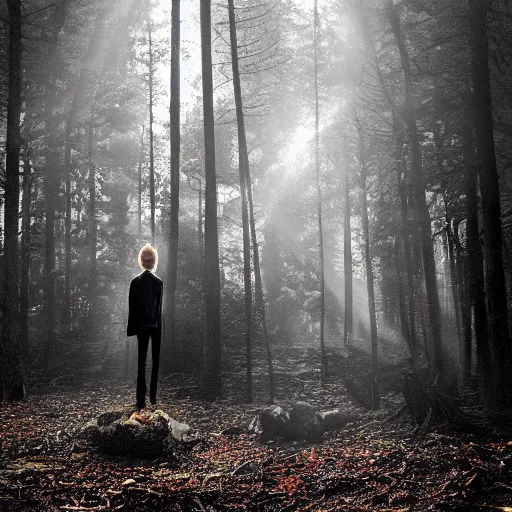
x: 328, y: 185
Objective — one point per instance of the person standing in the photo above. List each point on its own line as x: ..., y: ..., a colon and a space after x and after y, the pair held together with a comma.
x: 145, y: 321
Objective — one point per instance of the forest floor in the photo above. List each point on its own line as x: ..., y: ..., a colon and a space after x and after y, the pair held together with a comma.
x: 372, y: 464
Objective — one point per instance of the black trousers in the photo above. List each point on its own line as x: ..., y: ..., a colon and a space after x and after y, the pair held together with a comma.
x: 143, y: 342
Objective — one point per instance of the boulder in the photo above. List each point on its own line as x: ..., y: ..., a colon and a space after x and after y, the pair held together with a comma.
x: 305, y: 423
x: 108, y: 417
x: 90, y: 431
x: 298, y: 423
x: 127, y: 432
x: 334, y: 419
x: 274, y: 423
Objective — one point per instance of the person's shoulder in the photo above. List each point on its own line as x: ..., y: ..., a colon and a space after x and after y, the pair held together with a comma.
x: 135, y: 279
x: 157, y: 278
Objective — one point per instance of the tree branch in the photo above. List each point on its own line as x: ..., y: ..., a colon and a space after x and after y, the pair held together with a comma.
x: 253, y: 17
x: 263, y: 69
x: 45, y: 8
x: 258, y: 53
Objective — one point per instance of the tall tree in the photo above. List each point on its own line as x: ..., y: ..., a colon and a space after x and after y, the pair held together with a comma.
x: 25, y: 254
x: 405, y: 234
x: 211, y: 280
x: 93, y: 220
x: 398, y: 160
x: 175, y: 167
x: 475, y: 265
x: 418, y: 193
x: 243, y: 163
x: 139, y: 184
x: 151, y: 72
x: 11, y: 384
x: 52, y: 175
x: 70, y: 126
x: 495, y: 290
x: 319, y: 201
x: 258, y: 284
x: 66, y: 307
x: 348, y: 323
x: 369, y: 268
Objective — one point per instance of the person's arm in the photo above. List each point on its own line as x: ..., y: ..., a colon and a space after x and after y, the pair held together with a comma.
x: 160, y: 300
x: 131, y: 329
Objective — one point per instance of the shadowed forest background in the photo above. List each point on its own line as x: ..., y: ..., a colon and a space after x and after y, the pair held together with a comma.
x: 327, y: 183
x: 390, y: 99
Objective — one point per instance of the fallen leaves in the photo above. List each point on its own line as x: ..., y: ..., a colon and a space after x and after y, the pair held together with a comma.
x: 367, y: 467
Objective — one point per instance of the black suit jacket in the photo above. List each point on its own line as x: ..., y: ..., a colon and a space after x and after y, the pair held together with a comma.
x: 145, y: 303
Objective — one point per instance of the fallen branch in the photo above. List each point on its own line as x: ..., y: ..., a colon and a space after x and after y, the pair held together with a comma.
x: 288, y: 457
x: 239, y: 468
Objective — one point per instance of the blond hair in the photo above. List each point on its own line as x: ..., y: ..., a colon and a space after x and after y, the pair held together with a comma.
x: 148, y: 257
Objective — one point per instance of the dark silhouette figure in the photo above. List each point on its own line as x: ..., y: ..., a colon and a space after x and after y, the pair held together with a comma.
x: 145, y: 321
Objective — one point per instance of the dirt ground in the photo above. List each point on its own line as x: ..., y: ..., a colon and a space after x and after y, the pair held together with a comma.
x: 372, y: 464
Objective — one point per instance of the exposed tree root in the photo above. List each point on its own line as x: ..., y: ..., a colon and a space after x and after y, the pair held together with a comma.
x: 429, y: 406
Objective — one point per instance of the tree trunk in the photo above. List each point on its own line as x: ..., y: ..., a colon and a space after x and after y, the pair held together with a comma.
x: 369, y: 274
x: 25, y: 256
x: 420, y: 296
x: 211, y: 287
x: 454, y: 282
x: 243, y: 165
x: 139, y: 185
x: 466, y: 342
x: 70, y: 121
x: 404, y: 324
x: 49, y: 259
x: 175, y: 169
x: 51, y: 182
x: 420, y: 203
x: 151, y: 137
x: 495, y: 289
x: 400, y: 168
x: 319, y: 204
x: 11, y: 363
x: 93, y: 228
x: 260, y: 299
x: 404, y: 230
x: 200, y: 236
x: 66, y: 316
x: 348, y: 324
x: 69, y: 128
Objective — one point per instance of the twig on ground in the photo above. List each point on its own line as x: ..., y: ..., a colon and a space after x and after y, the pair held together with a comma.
x: 237, y: 469
x: 288, y: 457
